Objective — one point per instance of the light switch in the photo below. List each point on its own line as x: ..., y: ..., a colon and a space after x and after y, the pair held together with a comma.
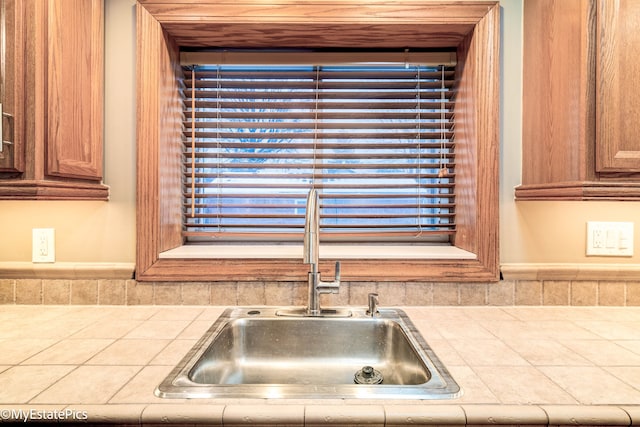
x: 609, y: 238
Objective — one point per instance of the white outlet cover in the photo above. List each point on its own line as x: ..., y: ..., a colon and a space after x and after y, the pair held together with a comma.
x: 609, y: 238
x: 43, y: 245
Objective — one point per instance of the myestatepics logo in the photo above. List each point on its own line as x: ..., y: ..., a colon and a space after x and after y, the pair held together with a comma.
x: 26, y: 415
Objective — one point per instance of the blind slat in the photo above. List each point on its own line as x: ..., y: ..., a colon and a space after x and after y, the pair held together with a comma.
x: 310, y: 105
x: 310, y: 126
x: 351, y: 145
x: 319, y: 166
x: 204, y: 117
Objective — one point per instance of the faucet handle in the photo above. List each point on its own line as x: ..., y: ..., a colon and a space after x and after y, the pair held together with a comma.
x: 373, y: 305
x: 330, y: 287
x: 337, y: 272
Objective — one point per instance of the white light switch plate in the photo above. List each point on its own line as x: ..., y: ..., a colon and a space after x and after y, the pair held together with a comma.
x: 609, y: 238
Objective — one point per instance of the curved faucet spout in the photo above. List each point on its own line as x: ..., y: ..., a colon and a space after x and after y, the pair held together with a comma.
x: 311, y: 256
x: 312, y: 229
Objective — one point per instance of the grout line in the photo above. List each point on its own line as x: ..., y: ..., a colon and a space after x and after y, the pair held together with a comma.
x: 53, y: 383
x: 126, y: 382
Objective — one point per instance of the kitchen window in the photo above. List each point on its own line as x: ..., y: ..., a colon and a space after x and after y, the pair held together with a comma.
x: 374, y: 137
x: 455, y: 231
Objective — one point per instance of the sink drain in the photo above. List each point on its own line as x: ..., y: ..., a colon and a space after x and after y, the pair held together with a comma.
x: 367, y: 375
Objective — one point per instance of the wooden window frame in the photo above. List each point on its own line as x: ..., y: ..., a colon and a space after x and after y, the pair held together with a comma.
x: 162, y: 26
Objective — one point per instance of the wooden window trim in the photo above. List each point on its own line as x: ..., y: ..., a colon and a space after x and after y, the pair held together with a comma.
x: 472, y: 27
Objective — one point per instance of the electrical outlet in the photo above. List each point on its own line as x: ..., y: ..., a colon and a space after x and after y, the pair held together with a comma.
x: 609, y: 238
x: 43, y: 245
x: 598, y: 236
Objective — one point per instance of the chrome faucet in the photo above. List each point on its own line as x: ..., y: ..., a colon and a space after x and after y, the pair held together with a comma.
x: 311, y: 256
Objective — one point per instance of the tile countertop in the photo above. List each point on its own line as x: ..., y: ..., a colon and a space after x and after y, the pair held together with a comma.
x: 516, y: 365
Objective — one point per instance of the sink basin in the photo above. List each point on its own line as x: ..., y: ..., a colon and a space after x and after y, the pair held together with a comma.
x: 255, y: 352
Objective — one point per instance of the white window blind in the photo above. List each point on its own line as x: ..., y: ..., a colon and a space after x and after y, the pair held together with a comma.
x: 377, y: 142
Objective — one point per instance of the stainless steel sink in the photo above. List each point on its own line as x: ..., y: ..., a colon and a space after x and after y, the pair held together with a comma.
x: 254, y: 352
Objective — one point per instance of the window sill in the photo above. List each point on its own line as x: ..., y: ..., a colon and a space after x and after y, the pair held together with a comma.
x: 380, y: 252
x: 282, y: 263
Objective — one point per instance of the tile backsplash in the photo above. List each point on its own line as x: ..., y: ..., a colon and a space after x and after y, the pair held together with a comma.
x: 504, y: 292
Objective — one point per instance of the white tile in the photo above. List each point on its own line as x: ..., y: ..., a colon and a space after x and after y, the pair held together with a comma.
x: 522, y: 385
x: 457, y: 329
x: 129, y: 352
x: 195, y: 330
x: 603, y: 352
x: 69, y: 352
x: 621, y: 330
x: 487, y: 353
x: 473, y: 389
x: 592, y: 385
x: 158, y: 329
x: 140, y: 388
x: 15, y: 351
x: 173, y: 353
x: 560, y: 330
x: 547, y: 352
x: 20, y: 384
x: 178, y: 313
x: 512, y: 329
x: 108, y: 329
x: 88, y: 384
x: 627, y: 374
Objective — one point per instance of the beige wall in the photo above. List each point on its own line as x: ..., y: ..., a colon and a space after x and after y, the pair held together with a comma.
x: 92, y: 231
x: 95, y: 232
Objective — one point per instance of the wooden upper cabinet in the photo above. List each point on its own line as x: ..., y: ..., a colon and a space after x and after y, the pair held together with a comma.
x: 618, y: 91
x: 11, y: 87
x: 580, y: 103
x: 61, y: 76
x: 75, y: 83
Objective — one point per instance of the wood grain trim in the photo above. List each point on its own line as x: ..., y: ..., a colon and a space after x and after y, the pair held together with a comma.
x: 171, y: 144
x: 277, y: 270
x: 348, y: 24
x: 349, y: 11
x: 52, y: 190
x: 481, y: 83
x: 580, y: 190
x: 487, y: 95
x: 149, y: 49
x: 477, y: 143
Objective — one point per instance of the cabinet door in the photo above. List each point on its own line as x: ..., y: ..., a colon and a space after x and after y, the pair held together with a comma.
x: 11, y: 86
x: 618, y: 90
x: 75, y: 85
